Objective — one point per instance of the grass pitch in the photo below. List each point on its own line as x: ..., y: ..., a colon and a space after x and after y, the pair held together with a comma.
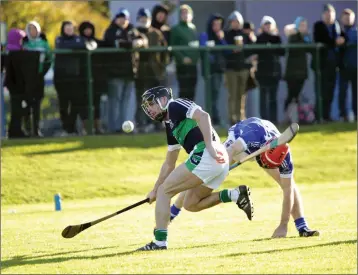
x: 100, y: 175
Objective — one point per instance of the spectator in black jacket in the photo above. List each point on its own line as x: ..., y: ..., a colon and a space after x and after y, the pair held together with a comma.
x: 122, y: 67
x: 237, y: 72
x: 70, y: 79
x: 15, y: 83
x: 268, y: 69
x: 87, y: 32
x: 330, y: 34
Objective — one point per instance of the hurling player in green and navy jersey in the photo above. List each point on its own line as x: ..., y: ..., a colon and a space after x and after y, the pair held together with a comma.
x: 188, y: 126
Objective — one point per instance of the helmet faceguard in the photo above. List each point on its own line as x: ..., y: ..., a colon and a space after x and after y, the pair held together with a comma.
x: 152, y: 97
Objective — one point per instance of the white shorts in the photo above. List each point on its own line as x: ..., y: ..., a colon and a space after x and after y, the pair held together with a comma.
x: 201, y: 164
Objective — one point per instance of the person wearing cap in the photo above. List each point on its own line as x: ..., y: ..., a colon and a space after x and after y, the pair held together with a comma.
x: 151, y: 69
x: 160, y: 15
x: 121, y: 67
x: 328, y: 32
x: 185, y: 34
x: 268, y: 68
x: 348, y: 72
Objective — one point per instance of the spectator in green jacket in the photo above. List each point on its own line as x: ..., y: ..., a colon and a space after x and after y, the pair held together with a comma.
x: 36, y: 41
x: 185, y: 34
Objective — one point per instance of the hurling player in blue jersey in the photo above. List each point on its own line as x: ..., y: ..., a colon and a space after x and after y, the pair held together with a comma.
x: 246, y: 137
x: 188, y: 126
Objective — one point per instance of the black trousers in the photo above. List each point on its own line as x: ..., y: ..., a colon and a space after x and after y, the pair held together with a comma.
x: 294, y: 88
x: 328, y: 83
x: 347, y: 75
x: 268, y: 99
x: 16, y: 115
x: 187, y: 76
x: 32, y: 115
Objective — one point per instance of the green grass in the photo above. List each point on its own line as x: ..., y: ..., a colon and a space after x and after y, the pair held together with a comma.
x: 91, y: 167
x: 99, y: 175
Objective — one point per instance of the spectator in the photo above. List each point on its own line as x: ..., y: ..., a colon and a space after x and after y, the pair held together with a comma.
x: 35, y: 40
x: 268, y: 69
x: 215, y: 35
x: 2, y: 99
x: 14, y: 83
x: 87, y: 32
x: 70, y: 79
x: 185, y: 34
x: 296, y: 61
x: 348, y: 72
x: 159, y: 20
x: 329, y: 33
x: 237, y: 72
x: 151, y: 70
x: 121, y: 67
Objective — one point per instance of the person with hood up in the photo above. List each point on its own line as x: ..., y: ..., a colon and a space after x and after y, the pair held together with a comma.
x: 237, y: 73
x: 88, y: 32
x: 296, y: 61
x: 35, y: 40
x: 14, y: 82
x: 70, y: 79
x: 159, y: 20
x: 268, y: 68
x: 121, y: 67
x: 212, y: 37
x: 151, y: 70
x: 185, y: 34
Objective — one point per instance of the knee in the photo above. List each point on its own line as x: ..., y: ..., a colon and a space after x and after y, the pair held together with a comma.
x: 190, y: 206
x: 164, y: 190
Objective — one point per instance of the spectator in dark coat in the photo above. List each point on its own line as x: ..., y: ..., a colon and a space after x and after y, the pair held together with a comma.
x: 296, y: 61
x: 70, y: 79
x: 348, y: 72
x: 36, y: 41
x: 159, y: 20
x: 330, y: 34
x: 15, y: 83
x: 214, y: 36
x: 268, y: 69
x: 87, y: 32
x: 151, y: 70
x: 122, y: 67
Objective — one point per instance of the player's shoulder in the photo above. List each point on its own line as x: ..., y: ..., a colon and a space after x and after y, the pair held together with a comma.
x: 180, y: 103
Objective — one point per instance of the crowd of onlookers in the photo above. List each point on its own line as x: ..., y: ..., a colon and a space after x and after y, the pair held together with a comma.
x: 118, y: 74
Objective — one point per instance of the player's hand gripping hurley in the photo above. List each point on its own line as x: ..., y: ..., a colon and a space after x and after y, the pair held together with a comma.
x: 288, y: 135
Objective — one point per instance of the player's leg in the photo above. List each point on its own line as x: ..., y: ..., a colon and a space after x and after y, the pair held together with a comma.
x: 177, y: 205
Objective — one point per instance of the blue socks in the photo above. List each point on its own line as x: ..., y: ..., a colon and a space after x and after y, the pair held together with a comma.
x: 174, y: 211
x: 301, y: 224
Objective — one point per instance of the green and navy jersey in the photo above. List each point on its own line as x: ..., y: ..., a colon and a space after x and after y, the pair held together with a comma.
x: 182, y: 130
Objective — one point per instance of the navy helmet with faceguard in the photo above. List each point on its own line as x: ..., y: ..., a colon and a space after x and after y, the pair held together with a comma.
x: 153, y: 96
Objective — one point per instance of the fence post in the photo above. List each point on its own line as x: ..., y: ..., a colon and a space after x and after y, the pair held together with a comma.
x: 90, y: 93
x: 318, y: 84
x: 206, y: 68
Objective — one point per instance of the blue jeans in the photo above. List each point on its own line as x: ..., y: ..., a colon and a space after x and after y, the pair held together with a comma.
x: 119, y: 92
x: 216, y: 80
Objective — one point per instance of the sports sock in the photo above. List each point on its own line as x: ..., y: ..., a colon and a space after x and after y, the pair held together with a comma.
x: 160, y: 237
x: 174, y: 211
x: 229, y: 195
x: 301, y: 224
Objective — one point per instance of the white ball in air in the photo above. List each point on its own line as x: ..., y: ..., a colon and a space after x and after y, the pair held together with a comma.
x: 127, y: 126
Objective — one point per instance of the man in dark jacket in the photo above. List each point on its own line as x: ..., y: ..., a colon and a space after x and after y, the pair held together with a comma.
x: 214, y: 36
x: 159, y: 20
x: 70, y: 79
x: 88, y: 32
x: 237, y: 72
x: 348, y: 72
x: 185, y: 34
x: 121, y: 67
x: 269, y: 69
x: 330, y: 34
x: 151, y: 70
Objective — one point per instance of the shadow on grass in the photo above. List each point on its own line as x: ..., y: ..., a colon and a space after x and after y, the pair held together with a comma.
x: 49, y: 258
x: 144, y: 140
